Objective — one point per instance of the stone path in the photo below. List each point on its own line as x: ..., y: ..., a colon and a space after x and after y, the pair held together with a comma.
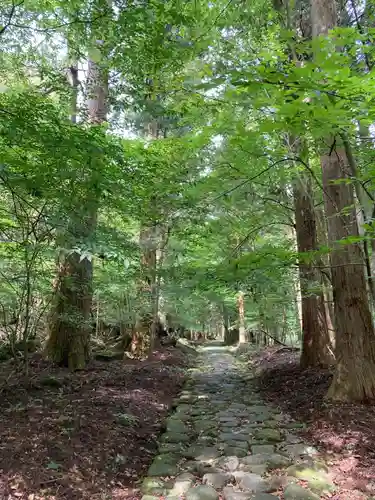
x: 223, y: 441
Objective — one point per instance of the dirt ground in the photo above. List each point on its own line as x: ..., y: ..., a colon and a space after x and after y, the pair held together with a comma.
x: 343, y: 433
x: 86, y: 435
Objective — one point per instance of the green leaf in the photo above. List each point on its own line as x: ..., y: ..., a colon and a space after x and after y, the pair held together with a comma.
x: 53, y: 465
x: 95, y: 54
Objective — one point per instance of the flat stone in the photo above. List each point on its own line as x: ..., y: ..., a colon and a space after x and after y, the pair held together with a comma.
x: 173, y: 437
x: 297, y: 492
x: 258, y: 459
x: 279, y: 482
x: 177, y: 427
x: 182, y: 484
x: 241, y: 413
x: 187, y: 398
x: 229, y: 463
x: 225, y: 429
x: 251, y: 482
x: 175, y: 448
x: 202, y: 492
x: 204, y: 441
x: 184, y: 417
x: 271, y: 424
x: 230, y: 494
x: 276, y: 461
x: 259, y: 469
x: 272, y: 435
x: 300, y: 450
x: 225, y: 416
x: 234, y: 451
x: 153, y: 486
x: 217, y: 479
x: 259, y: 409
x: 204, y: 425
x: 262, y: 448
x: 233, y: 436
x: 238, y: 406
x: 292, y: 438
x: 202, y: 453
x: 238, y: 444
x: 314, y: 474
x: 258, y: 417
x: 160, y: 468
x: 263, y: 496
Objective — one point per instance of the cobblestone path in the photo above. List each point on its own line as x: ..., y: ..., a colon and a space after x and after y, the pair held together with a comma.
x: 223, y: 441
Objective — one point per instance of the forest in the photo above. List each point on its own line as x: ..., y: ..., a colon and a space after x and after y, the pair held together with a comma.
x: 187, y: 189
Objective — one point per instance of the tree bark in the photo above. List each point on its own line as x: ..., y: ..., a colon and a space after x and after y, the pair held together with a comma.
x: 316, y: 345
x: 354, y: 377
x: 143, y: 330
x: 70, y: 317
x: 241, y: 318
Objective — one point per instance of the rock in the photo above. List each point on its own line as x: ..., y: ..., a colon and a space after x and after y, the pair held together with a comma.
x: 182, y: 484
x: 203, y: 492
x: 238, y: 406
x: 237, y: 444
x: 175, y: 437
x: 259, y: 417
x: 187, y: 398
x: 150, y: 497
x: 229, y: 420
x: 259, y: 469
x: 229, y: 463
x: 202, y: 453
x: 258, y: 409
x: 263, y: 496
x: 233, y: 436
x: 262, y: 449
x: 251, y: 482
x: 278, y: 482
x: 182, y: 416
x: 230, y: 451
x: 276, y: 461
x: 300, y: 450
x: 258, y: 459
x: 272, y: 435
x: 230, y: 494
x: 175, y: 426
x: 271, y: 424
x: 292, y: 438
x: 204, y: 425
x: 217, y: 479
x: 297, y: 492
x: 164, y: 465
x: 314, y: 474
x: 153, y: 486
x: 206, y: 441
x: 166, y: 448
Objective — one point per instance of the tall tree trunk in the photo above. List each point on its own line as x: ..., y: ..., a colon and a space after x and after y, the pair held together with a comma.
x: 143, y: 330
x: 70, y: 317
x: 316, y: 348
x: 316, y: 344
x: 241, y: 318
x: 354, y: 377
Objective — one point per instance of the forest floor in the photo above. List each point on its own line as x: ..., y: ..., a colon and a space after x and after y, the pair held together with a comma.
x: 344, y: 433
x: 86, y: 435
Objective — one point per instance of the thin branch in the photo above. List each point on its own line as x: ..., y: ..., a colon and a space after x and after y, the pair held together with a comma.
x: 10, y: 17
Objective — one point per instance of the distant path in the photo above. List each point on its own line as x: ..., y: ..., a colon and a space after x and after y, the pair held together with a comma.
x: 223, y: 441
